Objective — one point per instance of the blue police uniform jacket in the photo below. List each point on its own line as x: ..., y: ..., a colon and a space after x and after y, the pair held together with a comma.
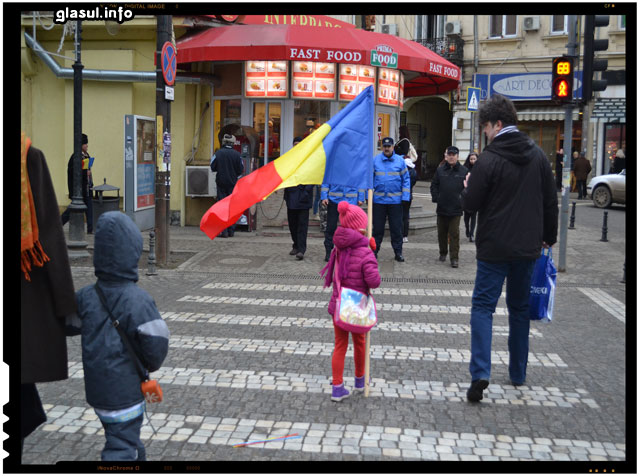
x: 110, y: 377
x: 391, y: 181
x: 339, y: 193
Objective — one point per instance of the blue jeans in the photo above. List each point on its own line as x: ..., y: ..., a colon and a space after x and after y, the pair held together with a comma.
x: 487, y: 290
x: 316, y: 199
x: 123, y: 441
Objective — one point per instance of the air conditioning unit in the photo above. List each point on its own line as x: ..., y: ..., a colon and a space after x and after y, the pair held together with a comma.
x: 390, y: 28
x: 531, y: 23
x: 452, y: 28
x: 200, y: 181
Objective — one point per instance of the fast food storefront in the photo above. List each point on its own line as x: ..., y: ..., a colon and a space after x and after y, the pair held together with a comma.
x: 277, y: 82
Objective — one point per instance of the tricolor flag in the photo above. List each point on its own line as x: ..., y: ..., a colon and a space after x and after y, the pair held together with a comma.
x: 339, y: 152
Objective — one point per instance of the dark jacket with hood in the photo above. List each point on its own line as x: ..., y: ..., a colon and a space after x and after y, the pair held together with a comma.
x: 513, y: 190
x: 228, y: 165
x: 110, y: 377
x: 446, y: 186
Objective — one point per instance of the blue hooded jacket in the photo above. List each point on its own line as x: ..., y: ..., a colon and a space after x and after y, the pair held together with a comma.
x: 110, y: 376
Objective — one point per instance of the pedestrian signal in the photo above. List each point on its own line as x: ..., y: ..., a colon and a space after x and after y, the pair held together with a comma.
x: 562, y: 79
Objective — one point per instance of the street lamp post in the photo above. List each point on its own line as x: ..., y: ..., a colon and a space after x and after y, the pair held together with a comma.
x: 77, y: 245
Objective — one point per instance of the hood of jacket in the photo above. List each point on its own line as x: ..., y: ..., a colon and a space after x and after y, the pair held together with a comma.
x: 349, y: 238
x: 516, y: 147
x: 117, y: 248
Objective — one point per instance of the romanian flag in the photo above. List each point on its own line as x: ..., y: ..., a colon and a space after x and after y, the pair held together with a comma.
x: 339, y: 152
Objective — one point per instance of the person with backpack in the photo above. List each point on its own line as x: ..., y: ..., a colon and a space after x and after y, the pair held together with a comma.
x: 357, y: 268
x: 111, y: 379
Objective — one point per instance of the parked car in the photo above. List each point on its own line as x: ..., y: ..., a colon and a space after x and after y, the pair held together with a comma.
x: 607, y: 189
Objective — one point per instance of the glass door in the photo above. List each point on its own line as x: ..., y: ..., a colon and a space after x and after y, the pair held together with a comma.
x: 267, y: 120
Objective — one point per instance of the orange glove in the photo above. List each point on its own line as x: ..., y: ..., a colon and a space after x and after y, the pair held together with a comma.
x: 372, y: 243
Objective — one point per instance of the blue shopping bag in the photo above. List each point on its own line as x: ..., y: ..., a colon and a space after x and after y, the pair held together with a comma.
x: 543, y: 288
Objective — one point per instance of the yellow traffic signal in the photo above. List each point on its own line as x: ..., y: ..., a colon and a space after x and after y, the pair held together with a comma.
x: 562, y: 79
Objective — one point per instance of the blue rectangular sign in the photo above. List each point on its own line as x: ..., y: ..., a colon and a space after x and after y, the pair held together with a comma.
x: 521, y: 86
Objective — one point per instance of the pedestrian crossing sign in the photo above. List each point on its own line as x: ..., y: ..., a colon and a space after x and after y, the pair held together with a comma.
x: 473, y: 99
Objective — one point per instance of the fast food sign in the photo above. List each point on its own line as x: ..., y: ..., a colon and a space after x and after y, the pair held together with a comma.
x: 384, y: 56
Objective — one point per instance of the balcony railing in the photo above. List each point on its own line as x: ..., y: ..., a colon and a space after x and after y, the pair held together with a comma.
x: 449, y: 47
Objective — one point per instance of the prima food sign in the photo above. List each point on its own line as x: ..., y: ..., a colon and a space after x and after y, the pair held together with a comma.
x: 384, y: 56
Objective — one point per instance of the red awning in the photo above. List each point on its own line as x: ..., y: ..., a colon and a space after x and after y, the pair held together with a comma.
x: 340, y: 45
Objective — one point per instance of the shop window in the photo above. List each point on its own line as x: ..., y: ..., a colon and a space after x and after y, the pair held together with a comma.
x: 502, y: 26
x: 623, y: 22
x: 615, y: 138
x: 308, y: 116
x: 559, y: 25
x: 266, y: 122
x: 227, y: 114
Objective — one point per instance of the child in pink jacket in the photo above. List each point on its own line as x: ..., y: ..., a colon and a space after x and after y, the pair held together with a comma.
x: 358, y: 269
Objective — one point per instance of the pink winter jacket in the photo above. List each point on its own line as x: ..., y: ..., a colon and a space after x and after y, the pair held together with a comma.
x: 358, y: 265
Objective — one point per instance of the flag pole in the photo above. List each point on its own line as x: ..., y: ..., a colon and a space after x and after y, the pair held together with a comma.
x: 368, y: 339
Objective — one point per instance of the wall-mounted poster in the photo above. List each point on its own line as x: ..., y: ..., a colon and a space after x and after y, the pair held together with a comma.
x: 313, y: 80
x: 266, y: 79
x: 388, y: 86
x: 354, y: 79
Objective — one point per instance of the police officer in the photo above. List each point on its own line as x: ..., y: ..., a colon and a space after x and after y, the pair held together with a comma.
x: 229, y: 166
x: 391, y: 186
x: 331, y: 195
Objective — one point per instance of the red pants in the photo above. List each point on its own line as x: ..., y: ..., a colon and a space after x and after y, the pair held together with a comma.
x: 340, y: 350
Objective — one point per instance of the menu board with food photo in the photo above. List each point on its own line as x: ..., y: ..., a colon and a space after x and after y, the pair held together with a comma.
x: 354, y: 79
x: 313, y: 80
x: 302, y: 88
x: 302, y: 69
x: 388, y: 86
x: 266, y: 79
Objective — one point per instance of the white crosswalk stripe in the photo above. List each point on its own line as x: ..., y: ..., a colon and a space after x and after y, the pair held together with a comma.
x: 295, y: 288
x: 407, y: 389
x: 390, y: 352
x: 301, y: 303
x: 327, y: 323
x: 364, y: 440
x: 606, y: 302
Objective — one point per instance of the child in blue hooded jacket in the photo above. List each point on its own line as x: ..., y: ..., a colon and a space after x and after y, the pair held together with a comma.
x: 112, y: 384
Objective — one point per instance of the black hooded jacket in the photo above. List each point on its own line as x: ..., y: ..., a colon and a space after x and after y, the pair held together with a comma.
x: 513, y: 190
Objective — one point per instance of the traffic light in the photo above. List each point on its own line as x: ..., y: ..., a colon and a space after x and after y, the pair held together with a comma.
x: 562, y: 79
x: 591, y: 65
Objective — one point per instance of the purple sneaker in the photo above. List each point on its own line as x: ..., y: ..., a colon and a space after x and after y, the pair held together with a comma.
x: 339, y: 393
x: 359, y: 387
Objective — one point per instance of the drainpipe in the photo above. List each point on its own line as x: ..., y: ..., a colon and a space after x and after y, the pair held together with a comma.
x: 112, y: 75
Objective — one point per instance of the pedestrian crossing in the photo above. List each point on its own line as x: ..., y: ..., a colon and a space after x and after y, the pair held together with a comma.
x: 339, y: 439
x: 227, y: 326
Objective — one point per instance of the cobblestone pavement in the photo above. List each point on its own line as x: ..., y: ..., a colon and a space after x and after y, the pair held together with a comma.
x: 250, y: 359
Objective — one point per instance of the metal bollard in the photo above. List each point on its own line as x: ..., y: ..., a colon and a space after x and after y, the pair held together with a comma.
x: 573, y: 216
x: 604, y: 227
x: 151, y: 259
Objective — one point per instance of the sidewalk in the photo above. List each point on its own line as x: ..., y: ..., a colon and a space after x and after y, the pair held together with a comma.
x: 589, y: 261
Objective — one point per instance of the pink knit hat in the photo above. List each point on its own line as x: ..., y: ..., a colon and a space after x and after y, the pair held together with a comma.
x: 352, y: 216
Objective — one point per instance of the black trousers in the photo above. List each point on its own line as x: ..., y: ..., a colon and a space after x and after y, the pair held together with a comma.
x: 222, y: 192
x: 470, y: 222
x: 582, y: 188
x: 88, y: 214
x: 380, y: 214
x: 405, y: 217
x: 298, y: 227
x: 332, y: 224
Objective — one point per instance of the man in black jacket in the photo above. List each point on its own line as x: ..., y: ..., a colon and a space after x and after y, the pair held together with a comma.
x: 299, y: 200
x: 87, y: 185
x: 446, y: 186
x: 228, y: 164
x: 513, y: 190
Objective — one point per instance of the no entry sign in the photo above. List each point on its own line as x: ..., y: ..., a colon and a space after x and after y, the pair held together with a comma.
x: 169, y: 61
